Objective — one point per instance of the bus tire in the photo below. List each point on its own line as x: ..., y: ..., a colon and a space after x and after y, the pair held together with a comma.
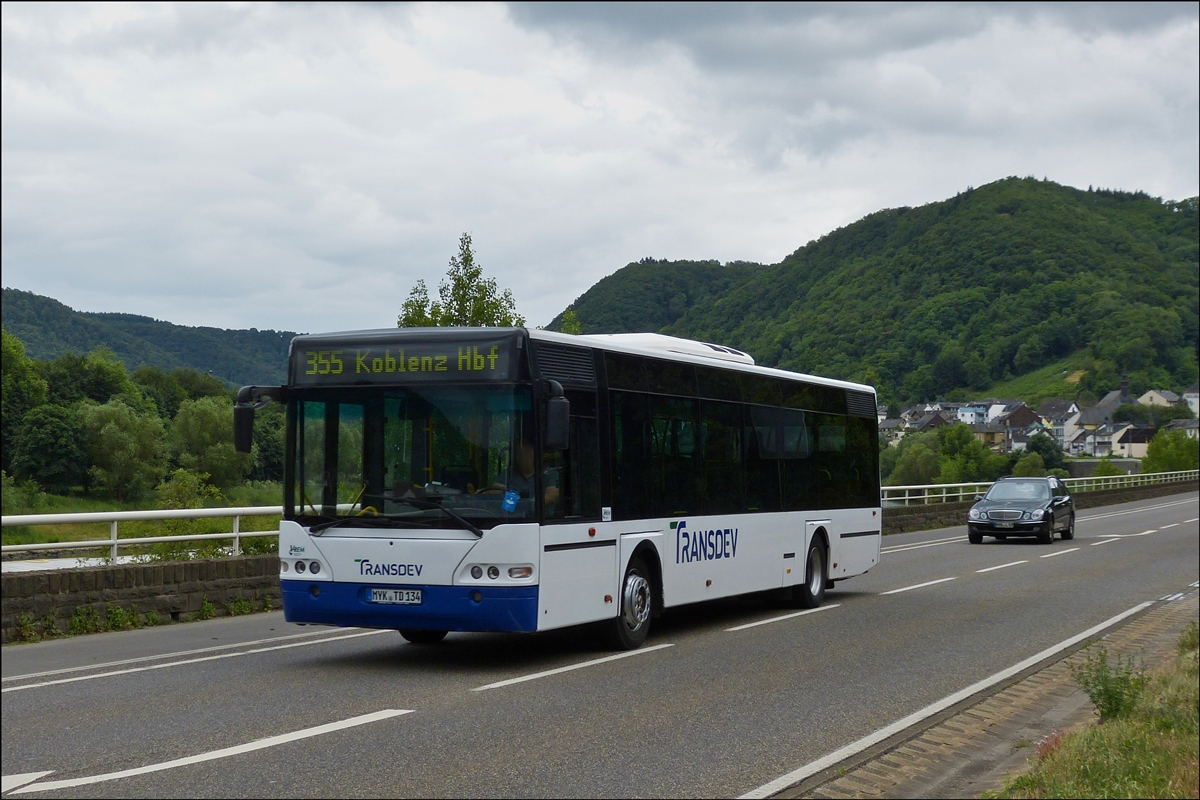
x: 816, y: 577
x: 423, y: 636
x: 632, y: 625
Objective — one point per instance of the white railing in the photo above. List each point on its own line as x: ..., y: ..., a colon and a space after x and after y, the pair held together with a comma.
x: 892, y: 496
x: 114, y: 518
x: 956, y: 492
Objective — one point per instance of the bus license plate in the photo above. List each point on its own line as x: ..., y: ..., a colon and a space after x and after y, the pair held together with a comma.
x: 397, y: 597
x: 1004, y: 524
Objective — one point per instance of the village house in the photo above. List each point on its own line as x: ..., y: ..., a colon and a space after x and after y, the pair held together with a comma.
x: 1191, y: 396
x: 1160, y: 397
x: 1132, y: 442
x: 1189, y: 426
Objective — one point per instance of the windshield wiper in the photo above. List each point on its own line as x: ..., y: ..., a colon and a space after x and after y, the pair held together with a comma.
x: 416, y: 503
x: 380, y: 521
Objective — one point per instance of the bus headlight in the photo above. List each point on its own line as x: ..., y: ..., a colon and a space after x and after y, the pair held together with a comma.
x: 314, y: 567
x: 493, y: 572
x: 520, y: 572
x: 476, y: 572
x: 299, y: 566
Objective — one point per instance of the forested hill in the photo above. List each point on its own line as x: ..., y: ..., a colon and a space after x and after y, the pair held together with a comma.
x: 48, y: 328
x: 952, y: 297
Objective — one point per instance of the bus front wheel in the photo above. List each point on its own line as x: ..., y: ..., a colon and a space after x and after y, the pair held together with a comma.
x: 422, y: 636
x: 810, y: 593
x: 629, y: 630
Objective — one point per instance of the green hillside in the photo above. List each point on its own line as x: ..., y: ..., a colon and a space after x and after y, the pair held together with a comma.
x: 954, y: 297
x: 48, y: 329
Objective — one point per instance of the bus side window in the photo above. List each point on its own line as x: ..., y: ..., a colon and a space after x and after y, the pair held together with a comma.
x: 763, y: 449
x: 724, y: 471
x: 631, y: 455
x: 576, y: 469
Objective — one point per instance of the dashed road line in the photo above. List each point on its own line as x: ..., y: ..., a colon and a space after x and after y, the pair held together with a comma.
x: 1193, y: 519
x: 1105, y: 541
x: 1172, y: 525
x: 1002, y: 566
x: 225, y: 752
x: 919, y: 586
x: 1136, y: 511
x: 1059, y: 553
x: 132, y: 670
x: 570, y: 668
x: 898, y: 548
x: 780, y: 619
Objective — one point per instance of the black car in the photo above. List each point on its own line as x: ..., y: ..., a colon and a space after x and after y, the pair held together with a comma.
x: 1023, y: 507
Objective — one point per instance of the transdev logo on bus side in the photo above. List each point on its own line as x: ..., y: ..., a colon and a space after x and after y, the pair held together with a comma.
x: 365, y: 567
x: 703, y: 545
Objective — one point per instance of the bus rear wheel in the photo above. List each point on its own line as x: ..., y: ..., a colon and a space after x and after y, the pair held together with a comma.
x: 632, y: 625
x: 422, y: 636
x: 810, y: 593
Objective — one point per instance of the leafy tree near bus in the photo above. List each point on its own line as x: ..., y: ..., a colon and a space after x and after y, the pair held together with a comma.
x: 1030, y: 465
x: 1170, y: 451
x: 1052, y: 455
x: 202, y: 441
x: 465, y: 298
x: 964, y: 458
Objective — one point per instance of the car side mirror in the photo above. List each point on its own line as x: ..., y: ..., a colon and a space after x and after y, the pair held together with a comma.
x: 978, y: 497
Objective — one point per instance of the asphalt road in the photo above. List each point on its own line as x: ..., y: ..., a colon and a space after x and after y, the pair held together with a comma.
x: 701, y: 710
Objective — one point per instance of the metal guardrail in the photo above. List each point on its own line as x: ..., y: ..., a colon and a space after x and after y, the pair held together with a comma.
x: 892, y: 496
x: 957, y: 492
x: 113, y: 518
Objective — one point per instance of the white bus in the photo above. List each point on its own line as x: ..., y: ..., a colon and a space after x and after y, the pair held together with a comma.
x: 489, y: 479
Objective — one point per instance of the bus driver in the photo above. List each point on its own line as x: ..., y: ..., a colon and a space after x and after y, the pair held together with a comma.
x: 520, y: 478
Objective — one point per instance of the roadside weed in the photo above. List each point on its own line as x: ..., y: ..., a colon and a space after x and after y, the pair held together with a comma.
x: 207, y: 611
x: 238, y: 606
x: 1112, y: 687
x: 85, y: 620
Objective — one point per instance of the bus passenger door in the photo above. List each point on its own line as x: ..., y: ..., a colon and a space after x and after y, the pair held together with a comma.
x: 578, y: 575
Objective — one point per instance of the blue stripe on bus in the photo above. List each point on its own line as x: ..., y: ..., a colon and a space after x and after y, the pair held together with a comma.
x: 448, y: 608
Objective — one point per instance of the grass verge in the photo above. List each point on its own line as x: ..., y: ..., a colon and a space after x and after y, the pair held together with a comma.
x: 1148, y: 747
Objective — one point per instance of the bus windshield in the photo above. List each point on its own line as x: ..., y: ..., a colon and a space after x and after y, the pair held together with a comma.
x: 425, y: 456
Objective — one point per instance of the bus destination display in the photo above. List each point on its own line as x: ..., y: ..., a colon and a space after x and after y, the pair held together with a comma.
x: 418, y: 361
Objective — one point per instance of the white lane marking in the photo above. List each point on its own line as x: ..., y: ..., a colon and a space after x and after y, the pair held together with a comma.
x: 176, y: 654
x: 896, y: 548
x: 225, y: 752
x: 780, y: 619
x: 10, y: 782
x: 1105, y: 541
x: 1059, y: 553
x: 1002, y: 566
x: 560, y: 670
x: 919, y: 586
x: 794, y: 777
x: 1194, y: 585
x: 186, y: 661
x: 1172, y: 525
x: 1193, y: 519
x: 1135, y: 511
x: 1174, y: 597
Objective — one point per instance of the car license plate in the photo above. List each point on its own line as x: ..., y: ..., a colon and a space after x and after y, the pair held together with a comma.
x: 396, y: 597
x: 1004, y: 524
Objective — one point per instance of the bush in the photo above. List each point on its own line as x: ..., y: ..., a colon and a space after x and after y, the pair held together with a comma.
x: 1031, y: 465
x: 1106, y: 469
x: 120, y: 619
x: 1112, y: 688
x: 1170, y: 451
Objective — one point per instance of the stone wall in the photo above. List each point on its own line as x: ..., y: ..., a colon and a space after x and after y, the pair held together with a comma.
x: 902, y: 519
x: 169, y: 590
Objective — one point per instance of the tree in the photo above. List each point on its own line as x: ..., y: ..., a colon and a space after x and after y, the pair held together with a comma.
x: 97, y: 376
x: 23, y: 389
x: 570, y: 322
x: 269, y: 443
x: 198, y: 384
x: 964, y: 458
x: 1048, y: 449
x: 127, y: 449
x: 202, y: 441
x: 1030, y: 466
x: 1170, y: 451
x: 918, y: 465
x: 465, y: 298
x: 49, y: 448
x: 164, y: 390
x: 1107, y: 469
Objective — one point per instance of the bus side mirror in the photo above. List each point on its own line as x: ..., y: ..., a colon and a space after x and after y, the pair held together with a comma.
x: 243, y: 428
x: 558, y: 424
x: 243, y: 412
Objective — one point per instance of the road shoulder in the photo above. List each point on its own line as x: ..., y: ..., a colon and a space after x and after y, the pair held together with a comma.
x: 975, y: 746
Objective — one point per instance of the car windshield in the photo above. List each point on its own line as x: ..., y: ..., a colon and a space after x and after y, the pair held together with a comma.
x: 444, y: 456
x: 1032, y: 491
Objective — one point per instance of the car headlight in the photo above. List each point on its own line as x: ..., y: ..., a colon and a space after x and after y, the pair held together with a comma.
x: 974, y: 514
x: 1037, y: 513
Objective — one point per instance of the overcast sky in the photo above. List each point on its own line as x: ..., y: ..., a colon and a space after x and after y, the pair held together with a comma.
x: 300, y: 167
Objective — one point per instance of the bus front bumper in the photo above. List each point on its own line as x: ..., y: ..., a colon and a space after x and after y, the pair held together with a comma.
x: 444, y: 608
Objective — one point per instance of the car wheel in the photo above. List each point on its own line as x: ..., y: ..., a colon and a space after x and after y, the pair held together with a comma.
x: 1069, y: 533
x: 1047, y: 536
x: 974, y: 538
